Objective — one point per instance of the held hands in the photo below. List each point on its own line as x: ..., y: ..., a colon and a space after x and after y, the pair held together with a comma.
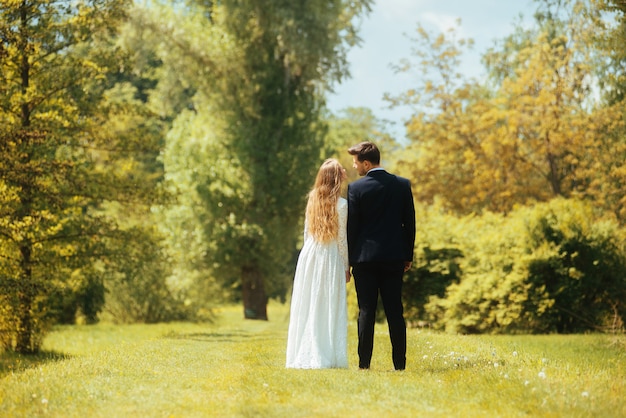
x: 347, y: 276
x: 407, y: 266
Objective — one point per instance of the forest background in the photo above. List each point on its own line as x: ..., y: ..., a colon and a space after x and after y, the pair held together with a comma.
x: 155, y: 159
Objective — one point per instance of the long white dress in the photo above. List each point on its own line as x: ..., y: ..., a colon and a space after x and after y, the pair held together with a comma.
x: 318, y: 324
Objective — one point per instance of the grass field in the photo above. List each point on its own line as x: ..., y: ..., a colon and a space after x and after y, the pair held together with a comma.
x: 235, y: 368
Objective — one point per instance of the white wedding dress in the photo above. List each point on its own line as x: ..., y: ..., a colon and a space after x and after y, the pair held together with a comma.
x: 318, y: 324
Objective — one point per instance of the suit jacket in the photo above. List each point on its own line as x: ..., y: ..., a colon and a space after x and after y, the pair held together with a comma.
x: 381, y: 218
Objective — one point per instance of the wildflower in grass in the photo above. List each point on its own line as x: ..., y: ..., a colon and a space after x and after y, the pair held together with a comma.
x: 585, y: 394
x: 542, y: 374
x: 514, y: 353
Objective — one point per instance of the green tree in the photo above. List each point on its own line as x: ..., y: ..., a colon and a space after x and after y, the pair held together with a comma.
x: 259, y: 69
x: 68, y: 143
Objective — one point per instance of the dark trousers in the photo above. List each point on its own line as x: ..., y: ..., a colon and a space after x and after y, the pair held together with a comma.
x: 369, y: 280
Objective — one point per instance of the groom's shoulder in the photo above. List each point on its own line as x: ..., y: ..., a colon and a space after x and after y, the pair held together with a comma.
x: 403, y: 180
x: 358, y: 182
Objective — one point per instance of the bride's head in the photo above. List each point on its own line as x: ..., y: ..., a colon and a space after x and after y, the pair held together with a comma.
x: 321, y: 209
x: 330, y: 177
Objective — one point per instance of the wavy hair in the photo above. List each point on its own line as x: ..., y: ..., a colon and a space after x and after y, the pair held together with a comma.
x: 321, y: 208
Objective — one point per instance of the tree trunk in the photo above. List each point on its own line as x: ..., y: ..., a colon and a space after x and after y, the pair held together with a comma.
x: 24, y: 338
x: 253, y: 293
x: 25, y: 335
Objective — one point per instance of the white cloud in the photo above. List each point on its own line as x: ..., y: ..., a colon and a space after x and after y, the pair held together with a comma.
x: 441, y: 22
x: 399, y: 12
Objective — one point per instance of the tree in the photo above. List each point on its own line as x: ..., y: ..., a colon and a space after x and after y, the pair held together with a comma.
x: 535, y: 132
x: 446, y: 125
x: 263, y: 67
x: 64, y: 150
x: 611, y: 38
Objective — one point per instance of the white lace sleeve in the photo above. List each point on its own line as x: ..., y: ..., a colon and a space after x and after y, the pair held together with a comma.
x: 342, y: 240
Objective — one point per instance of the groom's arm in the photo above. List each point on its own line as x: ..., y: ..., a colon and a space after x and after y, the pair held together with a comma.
x: 353, y: 223
x: 409, y: 224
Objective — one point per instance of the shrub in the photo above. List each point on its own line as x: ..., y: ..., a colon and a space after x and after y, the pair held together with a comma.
x: 552, y: 267
x: 579, y: 262
x: 136, y: 283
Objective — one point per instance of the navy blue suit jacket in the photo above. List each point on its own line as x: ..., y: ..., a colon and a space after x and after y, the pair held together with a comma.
x: 381, y: 219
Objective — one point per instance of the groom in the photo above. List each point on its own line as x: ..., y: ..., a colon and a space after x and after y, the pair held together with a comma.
x: 381, y: 237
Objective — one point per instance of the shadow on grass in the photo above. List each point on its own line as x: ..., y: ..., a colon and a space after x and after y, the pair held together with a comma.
x: 231, y: 336
x: 16, y: 363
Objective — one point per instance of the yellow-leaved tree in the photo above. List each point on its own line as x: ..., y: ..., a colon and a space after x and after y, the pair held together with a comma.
x: 534, y: 129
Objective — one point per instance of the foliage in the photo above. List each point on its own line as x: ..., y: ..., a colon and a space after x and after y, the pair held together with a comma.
x: 136, y: 283
x: 580, y: 262
x: 436, y: 263
x: 553, y: 267
x: 192, y: 233
x: 258, y: 71
x: 611, y: 38
x: 71, y: 138
x: 536, y: 131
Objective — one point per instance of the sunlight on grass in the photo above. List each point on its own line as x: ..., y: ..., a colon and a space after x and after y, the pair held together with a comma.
x: 235, y: 368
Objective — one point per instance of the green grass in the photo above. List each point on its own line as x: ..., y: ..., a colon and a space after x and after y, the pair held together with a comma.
x: 235, y: 368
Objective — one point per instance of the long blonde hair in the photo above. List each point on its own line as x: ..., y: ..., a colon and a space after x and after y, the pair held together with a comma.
x: 321, y: 208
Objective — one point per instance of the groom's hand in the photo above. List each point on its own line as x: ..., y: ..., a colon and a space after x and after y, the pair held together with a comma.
x: 407, y: 266
x: 347, y: 276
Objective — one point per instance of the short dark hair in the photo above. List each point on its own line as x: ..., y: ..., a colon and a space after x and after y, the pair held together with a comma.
x: 366, y: 151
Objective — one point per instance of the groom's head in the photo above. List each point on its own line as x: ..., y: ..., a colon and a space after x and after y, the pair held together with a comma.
x: 365, y: 156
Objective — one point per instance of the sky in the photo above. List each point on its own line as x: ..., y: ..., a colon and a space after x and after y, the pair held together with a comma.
x: 385, y: 42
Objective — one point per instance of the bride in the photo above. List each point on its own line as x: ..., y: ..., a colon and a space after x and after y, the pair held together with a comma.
x: 318, y: 324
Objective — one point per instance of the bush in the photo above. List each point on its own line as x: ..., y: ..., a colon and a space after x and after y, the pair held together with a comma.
x: 579, y: 263
x: 136, y: 283
x: 434, y: 270
x: 436, y: 262
x: 553, y: 267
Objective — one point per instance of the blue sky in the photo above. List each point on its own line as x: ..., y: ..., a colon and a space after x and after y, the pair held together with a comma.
x: 385, y: 42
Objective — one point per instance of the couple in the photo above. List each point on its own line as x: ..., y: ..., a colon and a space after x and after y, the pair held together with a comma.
x: 373, y: 232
